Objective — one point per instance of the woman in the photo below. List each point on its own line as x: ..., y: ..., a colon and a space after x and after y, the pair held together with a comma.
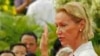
x: 75, y: 29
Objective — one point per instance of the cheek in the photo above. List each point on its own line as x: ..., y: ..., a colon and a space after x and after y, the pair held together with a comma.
x: 71, y: 32
x: 33, y: 47
x: 70, y: 35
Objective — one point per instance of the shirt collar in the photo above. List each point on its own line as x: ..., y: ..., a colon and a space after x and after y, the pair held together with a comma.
x: 84, y: 46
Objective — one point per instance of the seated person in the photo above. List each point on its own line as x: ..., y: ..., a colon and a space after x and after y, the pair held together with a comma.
x: 19, y: 49
x: 66, y: 51
x: 6, y: 53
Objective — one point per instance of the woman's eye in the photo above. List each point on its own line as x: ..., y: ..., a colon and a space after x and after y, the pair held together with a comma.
x: 63, y: 25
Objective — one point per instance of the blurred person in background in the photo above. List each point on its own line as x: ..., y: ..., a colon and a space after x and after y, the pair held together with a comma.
x: 30, y: 40
x: 19, y: 49
x: 6, y: 53
x: 42, y: 11
x: 22, y: 5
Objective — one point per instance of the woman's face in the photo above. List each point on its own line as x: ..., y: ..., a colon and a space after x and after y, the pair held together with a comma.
x: 67, y: 30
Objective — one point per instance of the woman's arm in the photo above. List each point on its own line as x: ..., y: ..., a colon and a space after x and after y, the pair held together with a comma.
x: 44, y: 42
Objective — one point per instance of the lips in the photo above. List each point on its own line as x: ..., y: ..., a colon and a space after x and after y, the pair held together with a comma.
x: 61, y: 38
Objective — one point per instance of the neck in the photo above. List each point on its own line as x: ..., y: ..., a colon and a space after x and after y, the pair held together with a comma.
x: 78, y: 42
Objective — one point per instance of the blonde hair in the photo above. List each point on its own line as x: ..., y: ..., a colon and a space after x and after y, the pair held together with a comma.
x: 76, y: 10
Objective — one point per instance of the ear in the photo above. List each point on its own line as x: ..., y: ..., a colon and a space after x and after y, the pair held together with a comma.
x: 82, y: 24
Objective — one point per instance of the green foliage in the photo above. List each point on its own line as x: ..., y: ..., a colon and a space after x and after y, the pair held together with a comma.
x: 11, y: 27
x: 7, y: 6
x: 2, y: 2
x: 3, y: 45
x: 97, y: 49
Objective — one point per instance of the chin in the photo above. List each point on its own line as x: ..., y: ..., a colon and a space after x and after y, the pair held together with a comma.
x: 64, y: 44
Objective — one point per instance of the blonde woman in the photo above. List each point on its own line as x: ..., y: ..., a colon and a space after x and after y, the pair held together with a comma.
x: 75, y: 29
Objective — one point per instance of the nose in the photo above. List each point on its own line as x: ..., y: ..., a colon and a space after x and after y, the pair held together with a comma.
x: 28, y: 46
x: 58, y: 31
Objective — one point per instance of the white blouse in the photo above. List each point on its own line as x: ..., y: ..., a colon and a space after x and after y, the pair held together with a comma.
x: 85, y: 50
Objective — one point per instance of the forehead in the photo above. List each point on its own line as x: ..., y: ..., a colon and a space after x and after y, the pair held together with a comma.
x: 17, y: 48
x: 62, y: 16
x: 28, y: 38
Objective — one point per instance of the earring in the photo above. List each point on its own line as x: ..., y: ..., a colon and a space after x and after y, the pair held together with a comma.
x: 80, y: 30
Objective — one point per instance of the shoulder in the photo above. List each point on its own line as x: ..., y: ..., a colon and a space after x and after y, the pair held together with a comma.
x: 88, y: 52
x: 85, y: 49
